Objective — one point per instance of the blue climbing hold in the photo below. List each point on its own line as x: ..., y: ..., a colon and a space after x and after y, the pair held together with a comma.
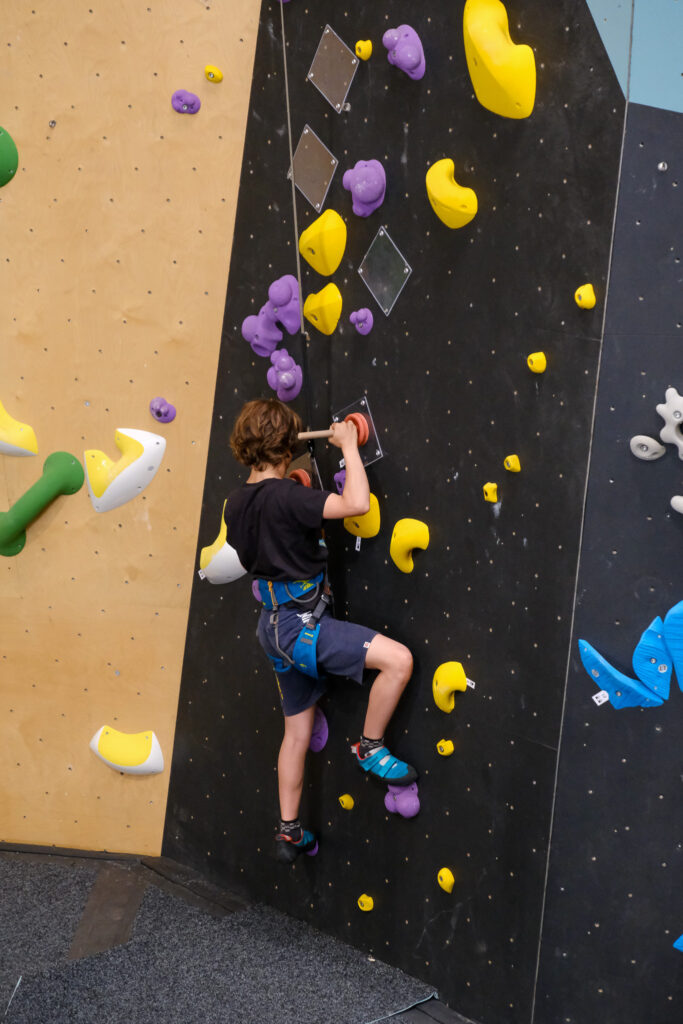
x: 673, y: 638
x: 652, y: 660
x: 678, y: 944
x: 623, y: 692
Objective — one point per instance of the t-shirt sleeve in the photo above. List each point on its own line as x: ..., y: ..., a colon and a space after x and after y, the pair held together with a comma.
x: 305, y: 504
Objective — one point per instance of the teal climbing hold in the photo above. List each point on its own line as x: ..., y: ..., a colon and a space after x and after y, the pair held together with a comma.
x: 623, y: 692
x: 652, y: 661
x: 9, y: 157
x: 673, y: 638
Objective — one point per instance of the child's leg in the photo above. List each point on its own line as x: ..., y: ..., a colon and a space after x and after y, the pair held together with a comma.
x: 290, y: 765
x: 395, y: 664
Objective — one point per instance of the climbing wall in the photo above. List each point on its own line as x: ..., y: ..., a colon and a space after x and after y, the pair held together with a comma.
x: 116, y: 236
x: 447, y: 379
x: 614, y: 907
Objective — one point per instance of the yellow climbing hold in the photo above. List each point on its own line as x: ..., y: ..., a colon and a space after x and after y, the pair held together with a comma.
x: 347, y: 801
x: 512, y: 463
x: 537, y: 362
x: 453, y: 204
x: 491, y: 492
x: 445, y: 879
x: 323, y: 242
x: 367, y: 525
x: 136, y: 753
x: 102, y: 470
x: 445, y: 747
x: 366, y: 902
x: 408, y: 534
x: 364, y: 49
x: 448, y: 678
x: 503, y: 74
x: 585, y: 296
x: 16, y: 438
x: 208, y: 553
x: 323, y: 308
x: 213, y: 73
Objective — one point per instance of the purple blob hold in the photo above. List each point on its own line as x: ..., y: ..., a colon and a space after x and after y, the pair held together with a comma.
x: 340, y: 480
x: 283, y: 303
x: 403, y: 800
x: 320, y: 731
x: 367, y: 183
x: 309, y: 853
x: 185, y: 102
x: 162, y: 410
x: 284, y: 376
x: 362, y: 320
x: 405, y: 50
x: 255, y: 590
x: 261, y: 331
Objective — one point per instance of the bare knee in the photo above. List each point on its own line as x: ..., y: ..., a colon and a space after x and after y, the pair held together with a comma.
x: 404, y: 663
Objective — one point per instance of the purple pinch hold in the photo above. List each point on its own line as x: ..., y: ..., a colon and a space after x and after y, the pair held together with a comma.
x: 283, y: 302
x: 362, y: 320
x: 340, y: 480
x: 320, y: 731
x: 162, y: 410
x: 403, y: 800
x: 367, y: 183
x: 285, y: 377
x: 185, y: 102
x: 261, y: 331
x: 255, y: 590
x: 405, y: 50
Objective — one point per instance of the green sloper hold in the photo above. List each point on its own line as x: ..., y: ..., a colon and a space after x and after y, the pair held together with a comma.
x: 9, y: 157
x: 62, y: 474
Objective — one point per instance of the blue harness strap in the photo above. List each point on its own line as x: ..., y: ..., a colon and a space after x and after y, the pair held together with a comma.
x: 277, y: 592
x: 274, y: 593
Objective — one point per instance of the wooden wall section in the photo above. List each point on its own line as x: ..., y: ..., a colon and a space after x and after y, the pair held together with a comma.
x: 116, y: 239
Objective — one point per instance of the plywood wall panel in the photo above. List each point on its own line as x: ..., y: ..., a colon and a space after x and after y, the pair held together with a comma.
x: 116, y: 237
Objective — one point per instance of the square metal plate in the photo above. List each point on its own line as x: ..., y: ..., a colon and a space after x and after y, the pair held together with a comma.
x: 384, y: 270
x: 333, y: 68
x: 371, y: 451
x: 314, y: 168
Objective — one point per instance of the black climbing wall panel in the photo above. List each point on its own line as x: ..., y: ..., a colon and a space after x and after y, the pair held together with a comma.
x: 614, y: 905
x: 451, y: 394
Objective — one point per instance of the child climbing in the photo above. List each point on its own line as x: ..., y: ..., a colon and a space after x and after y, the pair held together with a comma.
x: 275, y: 526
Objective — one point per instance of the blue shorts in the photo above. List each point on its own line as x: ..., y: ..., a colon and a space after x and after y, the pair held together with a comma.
x: 341, y: 651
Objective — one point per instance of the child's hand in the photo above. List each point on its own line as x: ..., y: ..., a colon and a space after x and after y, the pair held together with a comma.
x: 344, y: 434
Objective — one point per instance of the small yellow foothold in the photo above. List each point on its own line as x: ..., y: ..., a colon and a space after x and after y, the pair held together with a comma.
x: 512, y: 463
x: 445, y: 879
x: 537, y: 362
x: 445, y: 747
x: 347, y: 801
x: 408, y: 534
x: 323, y: 308
x: 491, y: 492
x: 364, y: 49
x: 366, y: 902
x: 448, y: 678
x: 213, y: 73
x: 585, y: 296
x: 323, y: 242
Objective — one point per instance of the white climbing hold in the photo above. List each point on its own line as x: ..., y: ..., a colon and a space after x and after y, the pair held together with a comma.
x: 671, y: 411
x: 647, y: 448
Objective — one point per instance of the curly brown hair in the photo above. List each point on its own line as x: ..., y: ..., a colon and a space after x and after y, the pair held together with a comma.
x: 265, y: 433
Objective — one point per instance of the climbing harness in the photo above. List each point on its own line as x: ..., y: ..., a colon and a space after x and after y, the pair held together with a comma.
x: 276, y: 594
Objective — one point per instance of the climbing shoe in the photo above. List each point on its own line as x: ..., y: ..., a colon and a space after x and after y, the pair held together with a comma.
x: 384, y: 766
x: 286, y: 850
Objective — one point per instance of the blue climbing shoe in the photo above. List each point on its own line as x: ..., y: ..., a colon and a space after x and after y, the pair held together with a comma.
x: 286, y: 850
x: 384, y: 766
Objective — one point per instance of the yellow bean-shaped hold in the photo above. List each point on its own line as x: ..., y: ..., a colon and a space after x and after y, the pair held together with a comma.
x: 446, y: 879
x: 213, y: 74
x: 347, y: 801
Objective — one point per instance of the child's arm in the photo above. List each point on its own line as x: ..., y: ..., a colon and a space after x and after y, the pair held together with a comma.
x: 355, y: 498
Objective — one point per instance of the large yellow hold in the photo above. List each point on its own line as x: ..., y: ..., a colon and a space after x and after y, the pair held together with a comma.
x: 323, y: 242
x: 408, y: 534
x: 503, y: 73
x: 453, y: 204
x: 323, y: 308
x: 448, y: 678
x: 135, y: 753
x: 367, y: 525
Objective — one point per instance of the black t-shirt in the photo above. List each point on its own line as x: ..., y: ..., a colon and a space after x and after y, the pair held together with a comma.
x: 274, y: 526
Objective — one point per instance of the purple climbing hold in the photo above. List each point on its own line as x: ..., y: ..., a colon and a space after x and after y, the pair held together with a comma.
x: 185, y: 102
x: 162, y: 410
x: 340, y: 480
x: 255, y: 590
x: 261, y: 331
x: 320, y: 731
x: 362, y: 320
x: 405, y: 50
x: 403, y: 800
x: 367, y: 183
x: 284, y: 376
x: 283, y: 300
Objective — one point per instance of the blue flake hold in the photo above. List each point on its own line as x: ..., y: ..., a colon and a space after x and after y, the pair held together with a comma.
x: 678, y: 944
x: 623, y: 692
x: 652, y: 660
x: 673, y: 638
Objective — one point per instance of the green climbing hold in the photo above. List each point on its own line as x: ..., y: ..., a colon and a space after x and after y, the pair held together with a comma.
x: 9, y: 157
x: 62, y: 474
